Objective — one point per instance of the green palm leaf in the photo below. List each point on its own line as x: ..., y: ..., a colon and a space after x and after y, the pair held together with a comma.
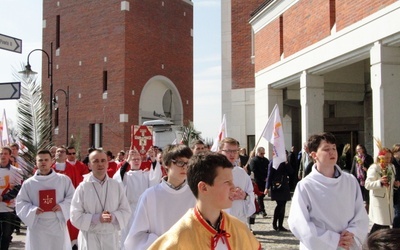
x: 33, y: 120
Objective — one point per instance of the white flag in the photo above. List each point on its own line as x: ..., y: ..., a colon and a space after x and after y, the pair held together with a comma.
x: 5, y: 136
x: 1, y: 133
x: 221, y: 135
x: 273, y: 133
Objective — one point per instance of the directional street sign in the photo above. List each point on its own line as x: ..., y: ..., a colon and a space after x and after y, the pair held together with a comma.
x: 10, y: 90
x: 10, y: 43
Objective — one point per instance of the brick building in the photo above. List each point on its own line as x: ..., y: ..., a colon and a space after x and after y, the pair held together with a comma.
x: 329, y: 65
x: 124, y: 62
x: 238, y: 69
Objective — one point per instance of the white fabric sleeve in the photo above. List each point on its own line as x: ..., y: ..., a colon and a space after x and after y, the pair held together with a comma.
x: 304, y: 229
x: 250, y: 207
x: 26, y: 211
x: 139, y: 236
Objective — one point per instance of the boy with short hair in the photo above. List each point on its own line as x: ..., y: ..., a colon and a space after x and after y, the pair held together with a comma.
x: 327, y: 210
x: 162, y: 205
x: 211, y: 181
x: 47, y: 227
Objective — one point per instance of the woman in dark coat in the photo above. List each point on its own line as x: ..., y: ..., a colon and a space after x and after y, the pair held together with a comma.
x: 280, y: 192
x: 361, y: 162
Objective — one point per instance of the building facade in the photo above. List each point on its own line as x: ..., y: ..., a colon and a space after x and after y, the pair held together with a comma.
x: 330, y: 66
x: 124, y: 62
x: 237, y: 65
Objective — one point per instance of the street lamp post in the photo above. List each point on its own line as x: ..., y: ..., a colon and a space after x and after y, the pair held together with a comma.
x: 28, y: 71
x: 66, y: 93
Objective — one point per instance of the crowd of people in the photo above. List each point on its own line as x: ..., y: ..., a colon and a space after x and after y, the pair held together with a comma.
x: 157, y: 200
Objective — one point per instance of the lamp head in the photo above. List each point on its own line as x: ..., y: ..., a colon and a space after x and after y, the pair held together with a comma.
x: 55, y: 103
x: 28, y: 70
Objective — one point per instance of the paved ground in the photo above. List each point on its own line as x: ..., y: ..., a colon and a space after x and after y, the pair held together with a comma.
x: 269, y: 238
x: 18, y: 241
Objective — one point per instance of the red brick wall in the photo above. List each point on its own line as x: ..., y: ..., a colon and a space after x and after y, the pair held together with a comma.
x: 308, y: 22
x: 349, y: 12
x: 164, y: 37
x: 135, y: 43
x: 242, y: 68
x: 304, y: 24
x: 267, y: 45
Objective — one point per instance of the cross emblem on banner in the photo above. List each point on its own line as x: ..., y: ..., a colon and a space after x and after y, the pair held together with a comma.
x: 142, y: 138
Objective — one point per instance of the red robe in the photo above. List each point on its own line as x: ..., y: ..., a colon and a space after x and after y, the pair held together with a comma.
x: 112, y: 168
x: 71, y: 172
x: 81, y: 169
x: 75, y: 175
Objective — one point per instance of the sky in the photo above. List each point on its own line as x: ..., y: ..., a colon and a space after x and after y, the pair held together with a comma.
x: 22, y: 19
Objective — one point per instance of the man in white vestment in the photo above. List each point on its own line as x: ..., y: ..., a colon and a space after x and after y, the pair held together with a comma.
x: 46, y: 228
x: 99, y: 207
x: 161, y: 206
x: 327, y: 210
x: 243, y: 205
x: 135, y: 182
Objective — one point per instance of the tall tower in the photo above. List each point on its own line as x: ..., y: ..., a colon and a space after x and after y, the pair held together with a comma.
x: 125, y: 62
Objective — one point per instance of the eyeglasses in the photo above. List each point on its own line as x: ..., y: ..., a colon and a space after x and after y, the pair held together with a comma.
x: 73, y: 153
x: 228, y: 151
x: 180, y: 164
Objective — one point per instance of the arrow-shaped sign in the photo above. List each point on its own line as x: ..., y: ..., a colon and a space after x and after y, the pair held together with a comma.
x: 10, y: 43
x: 10, y: 90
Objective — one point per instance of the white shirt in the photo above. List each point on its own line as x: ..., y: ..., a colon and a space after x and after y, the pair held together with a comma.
x: 159, y: 208
x: 242, y: 209
x: 324, y: 207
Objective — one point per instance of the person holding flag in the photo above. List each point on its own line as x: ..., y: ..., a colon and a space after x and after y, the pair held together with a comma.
x: 278, y: 186
x: 278, y: 169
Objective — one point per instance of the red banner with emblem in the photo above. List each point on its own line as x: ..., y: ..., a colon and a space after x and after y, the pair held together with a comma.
x: 142, y: 138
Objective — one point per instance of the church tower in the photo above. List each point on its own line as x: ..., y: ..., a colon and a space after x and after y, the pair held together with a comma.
x: 123, y: 62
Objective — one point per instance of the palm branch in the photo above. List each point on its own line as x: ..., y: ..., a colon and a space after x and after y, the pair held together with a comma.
x: 190, y: 134
x: 33, y: 120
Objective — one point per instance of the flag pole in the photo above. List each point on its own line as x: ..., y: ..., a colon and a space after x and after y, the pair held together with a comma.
x: 259, y: 139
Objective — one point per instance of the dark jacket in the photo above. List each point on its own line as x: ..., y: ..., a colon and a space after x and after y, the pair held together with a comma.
x: 279, y: 175
x: 259, y: 166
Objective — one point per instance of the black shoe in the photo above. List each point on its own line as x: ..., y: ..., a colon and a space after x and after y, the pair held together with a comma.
x: 282, y: 229
x: 275, y: 227
x: 264, y: 214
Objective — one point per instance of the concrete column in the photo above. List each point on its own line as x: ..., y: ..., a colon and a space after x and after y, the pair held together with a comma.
x: 226, y: 69
x: 312, y: 104
x: 385, y: 84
